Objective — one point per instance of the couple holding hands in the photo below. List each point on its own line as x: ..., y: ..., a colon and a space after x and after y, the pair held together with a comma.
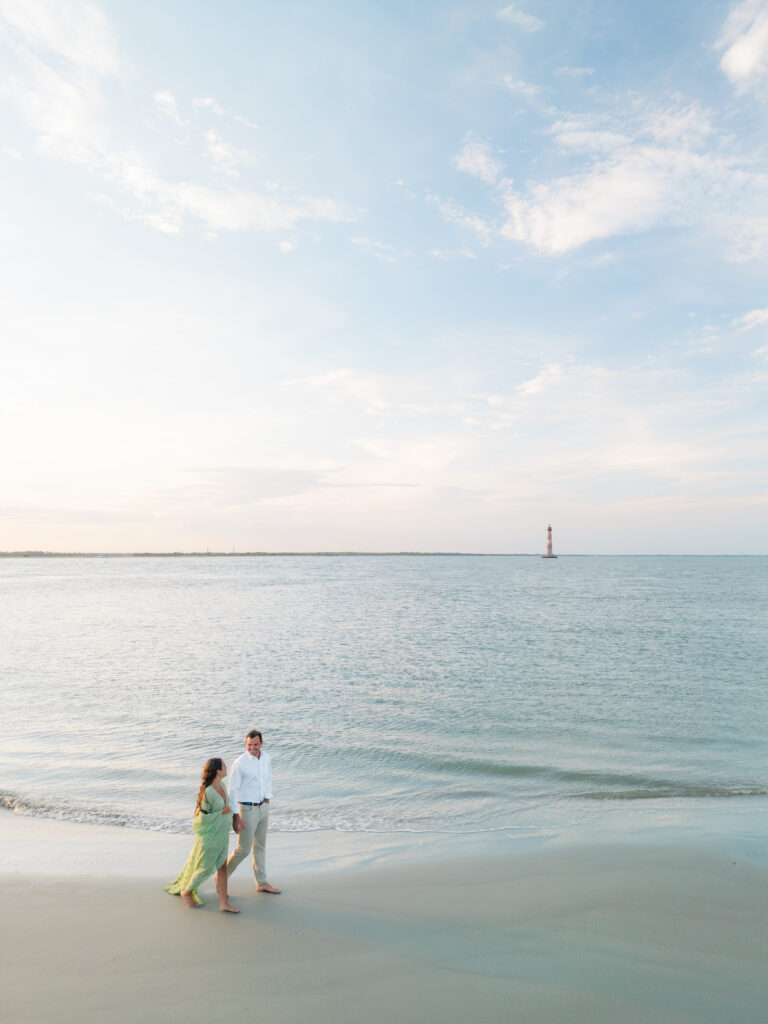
x: 250, y: 789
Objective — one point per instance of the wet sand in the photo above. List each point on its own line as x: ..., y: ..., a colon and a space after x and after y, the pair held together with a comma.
x: 626, y: 932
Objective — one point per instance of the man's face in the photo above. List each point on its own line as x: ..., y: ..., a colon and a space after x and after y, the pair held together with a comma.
x: 253, y: 746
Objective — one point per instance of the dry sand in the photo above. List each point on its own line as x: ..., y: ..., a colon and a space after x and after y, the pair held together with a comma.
x: 623, y: 933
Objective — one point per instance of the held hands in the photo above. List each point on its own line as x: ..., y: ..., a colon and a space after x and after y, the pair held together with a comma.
x: 237, y: 824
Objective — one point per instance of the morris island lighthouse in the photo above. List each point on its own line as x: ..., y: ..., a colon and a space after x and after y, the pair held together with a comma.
x: 549, y: 544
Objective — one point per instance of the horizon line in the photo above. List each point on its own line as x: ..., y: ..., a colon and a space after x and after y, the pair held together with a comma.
x: 341, y: 554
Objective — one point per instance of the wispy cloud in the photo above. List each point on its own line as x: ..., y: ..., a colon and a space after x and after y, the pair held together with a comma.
x: 232, y: 488
x: 208, y: 103
x: 744, y: 38
x: 447, y: 254
x: 646, y: 166
x: 228, y: 158
x: 454, y: 214
x: 212, y: 105
x: 476, y: 157
x: 64, y: 55
x: 168, y: 106
x: 164, y: 204
x: 378, y: 393
x: 749, y: 321
x: 382, y: 250
x: 585, y: 428
x: 76, y: 31
x: 514, y: 14
x: 575, y: 72
x: 521, y: 88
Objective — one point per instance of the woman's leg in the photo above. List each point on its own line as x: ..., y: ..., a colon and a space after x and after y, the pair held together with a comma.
x: 187, y: 899
x: 221, y: 889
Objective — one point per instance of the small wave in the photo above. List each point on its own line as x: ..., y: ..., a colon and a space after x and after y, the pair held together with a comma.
x: 603, y: 785
x: 64, y: 811
x: 302, y: 821
x: 672, y: 792
x: 296, y: 822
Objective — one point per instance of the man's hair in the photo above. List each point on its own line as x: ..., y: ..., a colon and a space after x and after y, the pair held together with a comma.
x: 253, y: 734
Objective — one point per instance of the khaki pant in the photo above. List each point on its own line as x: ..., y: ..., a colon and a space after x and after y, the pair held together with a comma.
x: 253, y: 838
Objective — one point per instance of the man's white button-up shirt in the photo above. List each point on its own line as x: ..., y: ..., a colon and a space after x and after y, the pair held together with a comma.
x: 250, y: 780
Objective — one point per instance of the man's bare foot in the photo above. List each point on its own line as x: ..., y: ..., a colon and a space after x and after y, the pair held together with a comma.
x: 267, y: 888
x: 229, y: 909
x: 186, y: 899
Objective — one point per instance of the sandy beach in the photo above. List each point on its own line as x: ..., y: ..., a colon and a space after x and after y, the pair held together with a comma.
x: 629, y: 931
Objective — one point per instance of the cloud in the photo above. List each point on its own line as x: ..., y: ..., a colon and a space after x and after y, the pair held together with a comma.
x: 59, y: 514
x: 575, y: 72
x: 653, y: 166
x: 653, y: 424
x: 381, y: 250
x: 751, y: 320
x: 63, y: 56
x: 619, y: 198
x: 63, y: 102
x: 448, y: 254
x: 589, y: 430
x: 236, y: 487
x: 381, y: 393
x: 76, y: 31
x: 226, y: 157
x: 749, y: 237
x: 454, y: 214
x: 646, y: 166
x: 476, y: 158
x: 745, y: 39
x: 168, y: 107
x: 208, y: 103
x: 518, y: 18
x: 164, y: 203
x: 522, y: 88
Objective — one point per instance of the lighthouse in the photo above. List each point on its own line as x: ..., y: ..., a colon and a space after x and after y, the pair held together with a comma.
x: 549, y: 544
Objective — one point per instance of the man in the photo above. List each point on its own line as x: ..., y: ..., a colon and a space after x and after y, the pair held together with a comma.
x: 250, y: 789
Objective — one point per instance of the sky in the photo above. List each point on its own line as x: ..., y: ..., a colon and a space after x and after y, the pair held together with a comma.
x: 384, y: 276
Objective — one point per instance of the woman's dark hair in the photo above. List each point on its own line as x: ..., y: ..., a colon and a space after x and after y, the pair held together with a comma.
x: 212, y: 766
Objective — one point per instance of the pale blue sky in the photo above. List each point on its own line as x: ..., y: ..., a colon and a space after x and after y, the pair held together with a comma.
x: 384, y: 276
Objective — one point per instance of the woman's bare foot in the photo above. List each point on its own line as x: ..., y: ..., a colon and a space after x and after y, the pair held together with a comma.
x: 229, y: 908
x: 186, y: 898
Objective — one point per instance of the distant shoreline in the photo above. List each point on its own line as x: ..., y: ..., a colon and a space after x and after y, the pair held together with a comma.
x: 357, y: 554
x: 266, y: 554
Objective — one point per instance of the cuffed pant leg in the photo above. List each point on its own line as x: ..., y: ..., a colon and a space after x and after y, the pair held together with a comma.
x: 260, y: 846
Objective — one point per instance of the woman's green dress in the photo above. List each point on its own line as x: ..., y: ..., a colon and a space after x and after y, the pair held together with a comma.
x: 209, y: 850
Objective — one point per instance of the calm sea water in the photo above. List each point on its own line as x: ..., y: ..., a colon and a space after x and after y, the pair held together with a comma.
x: 396, y: 693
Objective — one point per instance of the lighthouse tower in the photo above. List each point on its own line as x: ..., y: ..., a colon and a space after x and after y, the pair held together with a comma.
x: 549, y: 544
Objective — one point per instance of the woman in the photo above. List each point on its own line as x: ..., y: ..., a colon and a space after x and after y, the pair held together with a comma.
x: 212, y: 824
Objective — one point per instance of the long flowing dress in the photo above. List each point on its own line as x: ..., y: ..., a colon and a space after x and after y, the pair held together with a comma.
x: 209, y: 850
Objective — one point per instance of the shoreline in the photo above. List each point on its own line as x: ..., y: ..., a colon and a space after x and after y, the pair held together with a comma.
x: 669, y: 929
x: 55, y: 847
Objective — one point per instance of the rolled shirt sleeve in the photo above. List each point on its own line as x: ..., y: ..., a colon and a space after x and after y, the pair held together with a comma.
x: 267, y: 780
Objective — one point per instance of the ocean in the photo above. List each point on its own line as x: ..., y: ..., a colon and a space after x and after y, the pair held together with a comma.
x: 397, y: 694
